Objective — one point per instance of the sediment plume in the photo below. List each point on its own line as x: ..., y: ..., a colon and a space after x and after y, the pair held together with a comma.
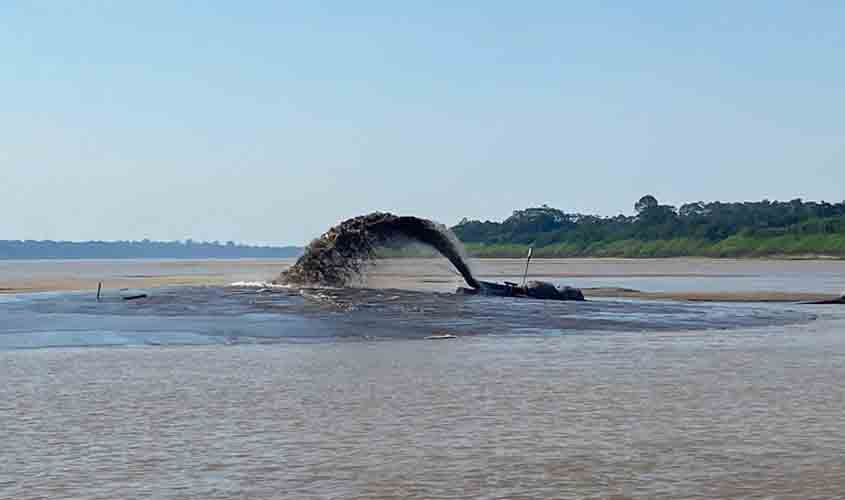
x: 338, y: 257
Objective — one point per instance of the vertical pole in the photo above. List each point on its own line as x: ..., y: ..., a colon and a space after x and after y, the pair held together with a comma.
x: 99, y: 288
x: 525, y: 274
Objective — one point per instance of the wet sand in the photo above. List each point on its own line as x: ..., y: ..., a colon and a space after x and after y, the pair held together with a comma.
x: 694, y: 279
x: 78, y: 275
x: 726, y: 296
x: 700, y: 280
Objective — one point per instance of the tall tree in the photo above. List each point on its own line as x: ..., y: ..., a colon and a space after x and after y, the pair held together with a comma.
x: 645, y: 203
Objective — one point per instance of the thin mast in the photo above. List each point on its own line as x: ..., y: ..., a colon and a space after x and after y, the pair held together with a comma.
x: 525, y: 274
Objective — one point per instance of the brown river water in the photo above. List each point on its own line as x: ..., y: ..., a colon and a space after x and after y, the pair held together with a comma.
x: 242, y: 392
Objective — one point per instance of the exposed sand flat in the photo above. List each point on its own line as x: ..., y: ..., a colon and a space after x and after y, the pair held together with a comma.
x: 693, y: 279
x: 680, y: 267
x: 701, y: 279
x: 74, y: 284
x: 74, y: 275
x: 727, y: 296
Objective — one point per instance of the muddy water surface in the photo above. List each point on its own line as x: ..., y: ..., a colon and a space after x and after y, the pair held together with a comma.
x: 239, y: 392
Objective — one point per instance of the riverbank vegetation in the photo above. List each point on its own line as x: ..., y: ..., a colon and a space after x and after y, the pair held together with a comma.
x: 749, y: 229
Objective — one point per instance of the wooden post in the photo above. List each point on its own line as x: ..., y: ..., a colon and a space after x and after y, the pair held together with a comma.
x: 99, y: 288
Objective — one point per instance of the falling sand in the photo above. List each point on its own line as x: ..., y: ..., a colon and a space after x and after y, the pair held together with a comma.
x: 338, y: 257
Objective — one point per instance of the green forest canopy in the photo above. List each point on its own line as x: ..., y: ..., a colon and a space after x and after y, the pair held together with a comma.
x: 714, y: 229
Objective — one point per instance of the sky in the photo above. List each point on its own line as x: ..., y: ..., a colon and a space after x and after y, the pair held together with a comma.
x: 268, y: 122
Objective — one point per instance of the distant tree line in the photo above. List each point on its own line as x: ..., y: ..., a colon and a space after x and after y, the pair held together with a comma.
x: 710, y: 229
x: 144, y: 249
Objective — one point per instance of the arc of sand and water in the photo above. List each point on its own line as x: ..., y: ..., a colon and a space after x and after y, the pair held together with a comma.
x: 338, y: 257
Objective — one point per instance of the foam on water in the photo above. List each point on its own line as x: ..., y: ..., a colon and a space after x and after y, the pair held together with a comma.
x: 260, y: 285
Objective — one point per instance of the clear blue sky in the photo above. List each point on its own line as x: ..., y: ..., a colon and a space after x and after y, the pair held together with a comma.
x: 270, y: 121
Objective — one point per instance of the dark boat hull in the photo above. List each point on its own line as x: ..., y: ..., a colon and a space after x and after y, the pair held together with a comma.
x: 534, y: 290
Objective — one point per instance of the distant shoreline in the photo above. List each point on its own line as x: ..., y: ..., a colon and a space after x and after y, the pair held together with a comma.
x: 144, y: 249
x: 74, y: 275
x: 714, y: 229
x: 151, y: 259
x: 504, y: 256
